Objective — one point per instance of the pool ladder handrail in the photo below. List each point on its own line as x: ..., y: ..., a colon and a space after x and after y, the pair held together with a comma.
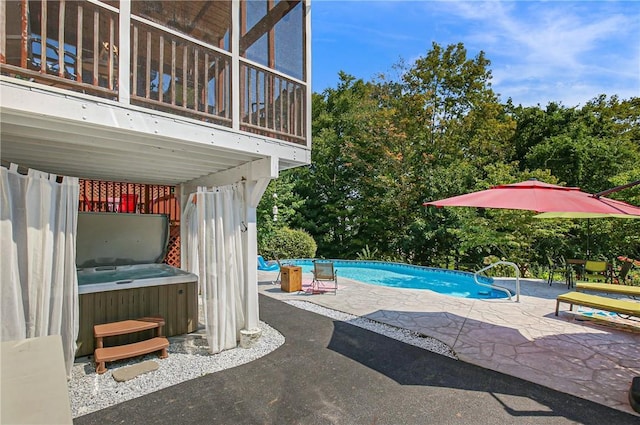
x: 500, y: 288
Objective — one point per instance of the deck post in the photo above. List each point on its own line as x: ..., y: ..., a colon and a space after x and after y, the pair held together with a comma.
x: 253, y: 192
x: 124, y: 57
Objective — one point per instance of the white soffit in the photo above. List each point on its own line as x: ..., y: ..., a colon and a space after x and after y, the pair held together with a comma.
x: 72, y: 134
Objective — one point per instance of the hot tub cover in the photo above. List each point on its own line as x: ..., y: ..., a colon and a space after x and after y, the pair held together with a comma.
x: 113, y: 239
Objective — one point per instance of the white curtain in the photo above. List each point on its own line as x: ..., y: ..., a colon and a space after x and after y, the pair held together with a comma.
x: 213, y: 221
x: 38, y: 244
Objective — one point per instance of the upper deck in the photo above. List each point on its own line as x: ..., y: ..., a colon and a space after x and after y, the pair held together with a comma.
x: 213, y: 84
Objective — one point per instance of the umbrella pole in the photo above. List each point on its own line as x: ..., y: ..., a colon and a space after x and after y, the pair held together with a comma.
x: 588, y: 235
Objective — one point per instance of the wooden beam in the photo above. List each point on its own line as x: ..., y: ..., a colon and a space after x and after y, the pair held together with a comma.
x: 266, y: 23
x: 199, y: 16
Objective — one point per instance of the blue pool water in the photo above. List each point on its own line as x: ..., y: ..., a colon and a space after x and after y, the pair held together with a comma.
x: 448, y: 282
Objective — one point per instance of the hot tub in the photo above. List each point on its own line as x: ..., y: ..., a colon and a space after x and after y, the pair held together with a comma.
x: 115, y: 278
x: 120, y: 277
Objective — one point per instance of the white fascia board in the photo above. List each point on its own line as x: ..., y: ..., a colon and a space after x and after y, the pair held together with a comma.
x: 261, y: 169
x: 62, y: 109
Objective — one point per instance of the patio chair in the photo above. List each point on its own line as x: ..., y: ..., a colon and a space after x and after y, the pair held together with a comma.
x: 559, y: 264
x: 32, y: 56
x: 621, y: 275
x: 323, y: 274
x: 596, y: 271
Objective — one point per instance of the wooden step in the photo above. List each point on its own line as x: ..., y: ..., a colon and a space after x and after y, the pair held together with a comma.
x: 110, y: 354
x: 126, y: 327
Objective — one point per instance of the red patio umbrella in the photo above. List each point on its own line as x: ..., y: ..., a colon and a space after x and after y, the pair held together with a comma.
x: 551, y: 200
x: 534, y: 195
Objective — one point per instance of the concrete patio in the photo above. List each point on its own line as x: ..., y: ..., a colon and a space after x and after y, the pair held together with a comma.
x: 591, y: 359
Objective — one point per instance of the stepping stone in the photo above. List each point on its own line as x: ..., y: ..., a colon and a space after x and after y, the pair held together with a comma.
x: 130, y: 372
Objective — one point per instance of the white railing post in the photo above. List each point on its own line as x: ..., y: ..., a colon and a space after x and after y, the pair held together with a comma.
x: 124, y: 55
x: 235, y: 65
x: 500, y: 288
x: 307, y: 60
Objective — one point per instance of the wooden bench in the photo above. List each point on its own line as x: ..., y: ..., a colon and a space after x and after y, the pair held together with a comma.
x: 109, y: 354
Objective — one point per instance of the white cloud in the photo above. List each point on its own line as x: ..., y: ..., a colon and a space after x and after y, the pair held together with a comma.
x: 560, y: 51
x: 553, y: 49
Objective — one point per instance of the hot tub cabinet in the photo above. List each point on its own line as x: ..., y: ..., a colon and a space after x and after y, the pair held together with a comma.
x: 176, y: 303
x: 111, y: 290
x: 174, y: 298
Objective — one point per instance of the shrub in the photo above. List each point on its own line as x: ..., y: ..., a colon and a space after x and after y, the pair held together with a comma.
x: 288, y: 243
x: 367, y: 253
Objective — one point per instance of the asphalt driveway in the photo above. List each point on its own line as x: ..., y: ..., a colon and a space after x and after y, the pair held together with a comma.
x: 331, y: 372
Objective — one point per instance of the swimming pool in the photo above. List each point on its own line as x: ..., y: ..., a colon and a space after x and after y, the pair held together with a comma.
x: 448, y: 282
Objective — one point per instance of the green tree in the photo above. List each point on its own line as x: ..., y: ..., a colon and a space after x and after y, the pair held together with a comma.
x: 330, y: 185
x: 535, y: 125
x: 382, y: 148
x: 441, y: 89
x: 582, y: 160
x: 279, y: 194
x: 584, y: 147
x: 286, y: 243
x: 454, y: 127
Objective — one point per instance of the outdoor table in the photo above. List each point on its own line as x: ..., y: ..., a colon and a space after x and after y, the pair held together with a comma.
x: 577, y: 265
x: 574, y: 265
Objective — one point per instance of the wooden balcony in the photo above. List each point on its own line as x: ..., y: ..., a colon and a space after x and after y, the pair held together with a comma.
x: 75, y: 45
x: 272, y: 104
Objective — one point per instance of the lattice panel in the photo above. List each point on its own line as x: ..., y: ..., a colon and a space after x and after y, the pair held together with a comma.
x: 108, y: 196
x: 173, y: 249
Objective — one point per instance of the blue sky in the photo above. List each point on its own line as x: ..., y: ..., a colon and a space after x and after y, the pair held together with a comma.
x: 540, y: 51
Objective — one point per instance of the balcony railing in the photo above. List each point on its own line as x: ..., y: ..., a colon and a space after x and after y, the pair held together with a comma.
x: 178, y: 74
x: 66, y: 44
x: 272, y: 103
x: 74, y: 45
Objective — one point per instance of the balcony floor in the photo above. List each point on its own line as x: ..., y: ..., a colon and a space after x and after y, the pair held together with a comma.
x: 67, y: 133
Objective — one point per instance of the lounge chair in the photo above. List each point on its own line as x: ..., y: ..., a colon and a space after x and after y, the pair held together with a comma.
x: 323, y: 272
x: 267, y: 266
x: 620, y: 307
x: 628, y: 290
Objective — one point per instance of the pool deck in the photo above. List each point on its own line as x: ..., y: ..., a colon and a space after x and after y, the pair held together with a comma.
x: 592, y: 359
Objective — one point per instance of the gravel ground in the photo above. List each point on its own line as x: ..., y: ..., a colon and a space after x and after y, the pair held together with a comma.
x: 404, y: 335
x: 189, y: 359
